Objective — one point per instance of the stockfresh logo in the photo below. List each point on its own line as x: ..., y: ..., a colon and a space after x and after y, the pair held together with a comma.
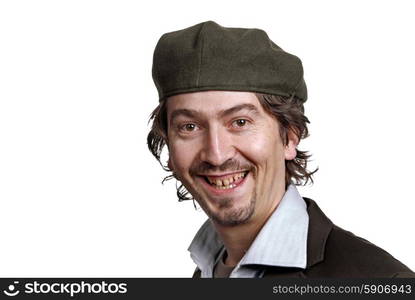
x: 12, y: 289
x: 65, y: 288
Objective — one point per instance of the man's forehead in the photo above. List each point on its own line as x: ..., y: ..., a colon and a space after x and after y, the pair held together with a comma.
x: 212, y: 103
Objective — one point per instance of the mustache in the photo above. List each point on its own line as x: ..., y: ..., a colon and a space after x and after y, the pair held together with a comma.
x: 229, y: 165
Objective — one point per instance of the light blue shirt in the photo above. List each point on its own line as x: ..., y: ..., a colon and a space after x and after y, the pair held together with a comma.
x: 281, y: 242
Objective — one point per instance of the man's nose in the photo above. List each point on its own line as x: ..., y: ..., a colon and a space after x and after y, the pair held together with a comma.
x: 217, y: 147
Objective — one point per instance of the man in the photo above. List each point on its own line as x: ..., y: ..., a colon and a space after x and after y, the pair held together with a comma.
x: 231, y: 114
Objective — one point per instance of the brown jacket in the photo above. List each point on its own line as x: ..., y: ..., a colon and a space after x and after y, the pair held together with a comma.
x: 336, y: 253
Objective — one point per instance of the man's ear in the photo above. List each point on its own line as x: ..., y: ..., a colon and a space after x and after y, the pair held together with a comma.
x: 290, y: 151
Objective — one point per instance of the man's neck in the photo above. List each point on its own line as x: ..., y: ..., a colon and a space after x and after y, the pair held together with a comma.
x: 237, y: 239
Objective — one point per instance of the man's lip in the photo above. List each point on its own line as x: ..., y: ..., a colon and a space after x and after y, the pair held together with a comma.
x: 221, y: 175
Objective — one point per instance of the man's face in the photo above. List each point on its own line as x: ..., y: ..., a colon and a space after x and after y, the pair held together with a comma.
x: 227, y: 151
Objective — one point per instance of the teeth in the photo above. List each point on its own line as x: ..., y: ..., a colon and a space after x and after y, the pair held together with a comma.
x: 226, y: 187
x: 226, y: 183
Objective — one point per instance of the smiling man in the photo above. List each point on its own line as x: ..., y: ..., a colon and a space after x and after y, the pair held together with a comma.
x: 231, y: 114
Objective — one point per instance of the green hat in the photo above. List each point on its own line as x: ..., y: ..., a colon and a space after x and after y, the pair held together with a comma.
x: 208, y: 56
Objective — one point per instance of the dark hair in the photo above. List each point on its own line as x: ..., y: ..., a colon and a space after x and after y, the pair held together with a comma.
x: 289, y: 112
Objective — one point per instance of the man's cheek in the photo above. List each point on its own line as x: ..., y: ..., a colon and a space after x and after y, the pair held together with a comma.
x: 260, y: 149
x: 179, y: 166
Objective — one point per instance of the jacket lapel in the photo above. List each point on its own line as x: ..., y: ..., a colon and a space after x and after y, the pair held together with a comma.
x: 319, y: 228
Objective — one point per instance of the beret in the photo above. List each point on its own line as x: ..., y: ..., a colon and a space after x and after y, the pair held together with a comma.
x: 207, y: 56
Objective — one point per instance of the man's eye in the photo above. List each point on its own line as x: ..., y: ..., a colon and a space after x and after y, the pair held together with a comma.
x: 188, y: 127
x: 240, y: 122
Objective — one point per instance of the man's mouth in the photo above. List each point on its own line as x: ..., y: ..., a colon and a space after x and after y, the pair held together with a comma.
x: 226, y: 181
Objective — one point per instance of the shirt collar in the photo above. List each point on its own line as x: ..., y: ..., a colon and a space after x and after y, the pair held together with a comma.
x: 282, y: 241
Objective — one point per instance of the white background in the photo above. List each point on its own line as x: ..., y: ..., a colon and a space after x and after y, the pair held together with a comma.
x: 80, y: 194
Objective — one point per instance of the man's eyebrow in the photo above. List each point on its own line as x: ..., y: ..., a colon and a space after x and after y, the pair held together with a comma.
x: 237, y: 108
x: 190, y: 113
x: 184, y: 112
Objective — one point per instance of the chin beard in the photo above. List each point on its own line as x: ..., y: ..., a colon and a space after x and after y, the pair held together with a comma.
x: 230, y: 216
